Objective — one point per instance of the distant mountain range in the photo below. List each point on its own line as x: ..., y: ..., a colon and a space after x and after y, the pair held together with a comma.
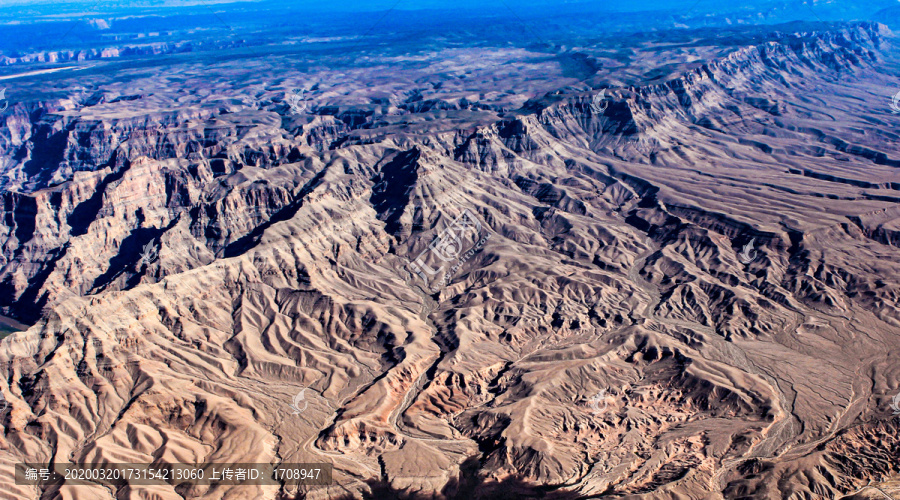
x: 515, y: 256
x: 33, y: 30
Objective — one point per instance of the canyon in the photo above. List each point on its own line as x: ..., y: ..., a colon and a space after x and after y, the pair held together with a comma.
x: 688, y: 292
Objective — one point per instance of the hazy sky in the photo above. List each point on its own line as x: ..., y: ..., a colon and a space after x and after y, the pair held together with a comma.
x: 783, y: 9
x: 316, y: 4
x: 367, y: 5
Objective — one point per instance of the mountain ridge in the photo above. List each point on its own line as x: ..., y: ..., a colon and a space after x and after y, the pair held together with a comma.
x: 611, y: 275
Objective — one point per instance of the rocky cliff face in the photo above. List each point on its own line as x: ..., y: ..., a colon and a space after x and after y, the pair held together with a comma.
x: 114, y: 52
x: 687, y: 288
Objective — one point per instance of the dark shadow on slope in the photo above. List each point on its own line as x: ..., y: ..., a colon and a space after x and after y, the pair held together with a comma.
x: 251, y: 239
x: 86, y: 211
x: 21, y: 213
x: 47, y: 150
x: 578, y: 65
x: 28, y: 307
x: 390, y: 188
x: 129, y: 257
